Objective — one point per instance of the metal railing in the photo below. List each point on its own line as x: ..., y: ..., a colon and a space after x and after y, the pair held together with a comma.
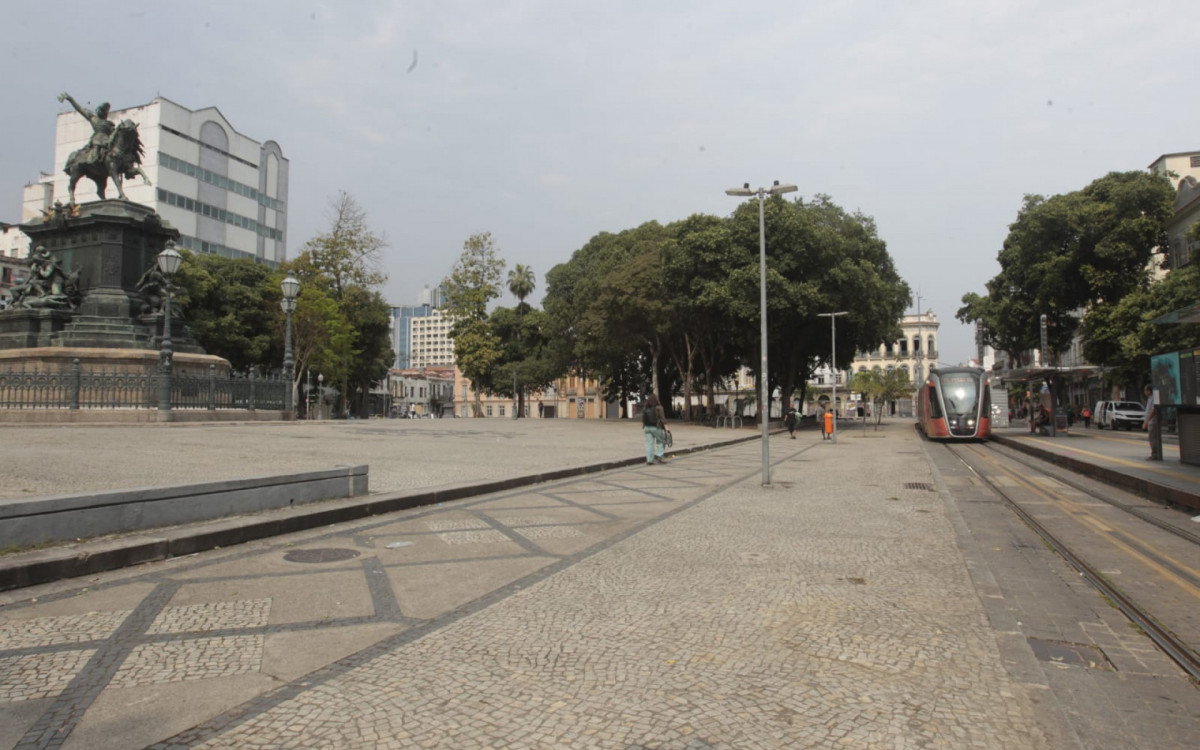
x: 76, y: 388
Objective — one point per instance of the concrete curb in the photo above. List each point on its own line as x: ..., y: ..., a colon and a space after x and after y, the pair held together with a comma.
x: 28, y: 522
x: 32, y: 567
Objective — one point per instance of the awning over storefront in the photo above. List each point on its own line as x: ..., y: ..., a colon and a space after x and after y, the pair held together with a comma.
x: 1026, y: 374
x: 1189, y: 314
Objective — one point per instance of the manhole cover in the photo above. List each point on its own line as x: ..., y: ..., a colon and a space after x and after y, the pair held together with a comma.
x: 1063, y: 652
x: 320, y: 555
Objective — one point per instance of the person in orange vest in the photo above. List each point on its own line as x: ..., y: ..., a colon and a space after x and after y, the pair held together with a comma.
x: 827, y: 432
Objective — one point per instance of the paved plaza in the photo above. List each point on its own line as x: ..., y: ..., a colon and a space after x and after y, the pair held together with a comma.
x: 681, y: 606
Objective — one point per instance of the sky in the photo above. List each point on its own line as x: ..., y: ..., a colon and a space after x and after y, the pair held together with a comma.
x: 546, y: 122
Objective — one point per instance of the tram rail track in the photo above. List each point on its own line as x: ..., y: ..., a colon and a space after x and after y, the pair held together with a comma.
x: 1167, y: 641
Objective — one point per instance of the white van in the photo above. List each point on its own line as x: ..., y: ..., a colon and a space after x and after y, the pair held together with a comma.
x: 1119, y: 414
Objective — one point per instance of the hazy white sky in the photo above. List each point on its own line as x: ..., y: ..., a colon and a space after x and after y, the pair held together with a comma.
x: 546, y: 122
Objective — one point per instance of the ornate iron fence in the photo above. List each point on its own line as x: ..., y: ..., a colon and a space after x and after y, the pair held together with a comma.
x: 76, y: 388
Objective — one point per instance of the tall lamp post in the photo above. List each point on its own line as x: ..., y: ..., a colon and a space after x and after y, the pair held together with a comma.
x: 764, y: 398
x: 291, y: 288
x: 168, y: 264
x: 320, y: 395
x: 833, y: 316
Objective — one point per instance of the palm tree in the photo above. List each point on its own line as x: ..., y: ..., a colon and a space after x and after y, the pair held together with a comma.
x: 521, y: 282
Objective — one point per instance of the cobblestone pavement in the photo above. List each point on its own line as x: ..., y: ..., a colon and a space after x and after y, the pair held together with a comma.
x: 403, y: 454
x: 679, y: 606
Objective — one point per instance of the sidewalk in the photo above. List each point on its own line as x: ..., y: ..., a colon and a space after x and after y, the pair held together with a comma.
x: 677, y: 606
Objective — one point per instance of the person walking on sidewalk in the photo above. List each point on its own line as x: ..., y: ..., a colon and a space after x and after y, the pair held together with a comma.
x: 827, y: 427
x: 654, y: 422
x: 790, y: 422
x: 1152, y: 426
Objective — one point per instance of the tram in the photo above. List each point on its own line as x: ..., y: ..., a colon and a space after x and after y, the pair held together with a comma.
x: 954, y: 403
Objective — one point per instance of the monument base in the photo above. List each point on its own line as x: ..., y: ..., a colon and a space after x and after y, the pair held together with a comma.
x: 121, y: 361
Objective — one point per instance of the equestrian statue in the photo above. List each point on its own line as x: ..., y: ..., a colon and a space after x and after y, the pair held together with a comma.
x: 114, y: 151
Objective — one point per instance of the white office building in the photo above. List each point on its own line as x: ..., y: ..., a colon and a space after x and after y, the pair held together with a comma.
x: 226, y: 193
x: 429, y: 341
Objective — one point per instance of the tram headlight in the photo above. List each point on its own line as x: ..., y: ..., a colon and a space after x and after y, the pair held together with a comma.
x: 970, y: 423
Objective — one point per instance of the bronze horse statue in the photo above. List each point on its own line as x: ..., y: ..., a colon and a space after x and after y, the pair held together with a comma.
x: 121, y: 159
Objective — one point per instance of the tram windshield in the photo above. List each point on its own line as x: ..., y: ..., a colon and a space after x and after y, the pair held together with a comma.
x: 960, y: 392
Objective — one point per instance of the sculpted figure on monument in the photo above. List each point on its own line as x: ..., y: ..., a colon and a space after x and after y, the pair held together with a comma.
x: 48, y: 284
x: 114, y: 151
x: 153, y: 288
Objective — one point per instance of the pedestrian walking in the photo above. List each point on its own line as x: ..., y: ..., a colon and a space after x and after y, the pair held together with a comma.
x: 790, y: 422
x: 827, y: 425
x: 654, y: 424
x: 1152, y: 426
x: 1086, y: 413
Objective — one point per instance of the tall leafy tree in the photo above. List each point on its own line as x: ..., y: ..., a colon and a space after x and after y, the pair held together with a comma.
x: 232, y: 309
x: 1071, y: 255
x: 474, y: 281
x: 341, y: 318
x: 1122, y: 336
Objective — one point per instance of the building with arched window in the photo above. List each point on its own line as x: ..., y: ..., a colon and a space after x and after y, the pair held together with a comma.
x: 914, y: 352
x: 226, y: 193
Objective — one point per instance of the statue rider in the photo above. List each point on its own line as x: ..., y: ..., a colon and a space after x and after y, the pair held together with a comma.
x: 97, y: 148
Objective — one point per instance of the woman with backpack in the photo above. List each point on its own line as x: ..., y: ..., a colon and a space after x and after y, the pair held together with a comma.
x: 654, y: 422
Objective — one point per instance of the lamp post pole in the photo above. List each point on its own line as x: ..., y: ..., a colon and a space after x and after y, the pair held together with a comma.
x: 291, y: 288
x: 764, y: 403
x: 321, y: 395
x: 168, y: 263
x: 833, y: 361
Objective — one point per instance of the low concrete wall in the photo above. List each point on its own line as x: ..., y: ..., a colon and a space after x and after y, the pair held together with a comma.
x: 26, y: 523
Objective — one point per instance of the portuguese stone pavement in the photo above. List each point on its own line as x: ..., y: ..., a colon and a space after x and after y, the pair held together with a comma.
x: 673, y: 606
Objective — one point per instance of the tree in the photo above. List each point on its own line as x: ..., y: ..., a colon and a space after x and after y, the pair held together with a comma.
x: 521, y: 282
x: 232, y: 309
x: 1123, y: 337
x: 881, y: 387
x: 341, y: 320
x: 1069, y: 256
x: 474, y: 281
x: 348, y: 254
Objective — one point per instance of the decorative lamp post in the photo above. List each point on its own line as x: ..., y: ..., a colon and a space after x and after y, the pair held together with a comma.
x: 291, y: 288
x: 764, y: 399
x: 168, y: 262
x: 321, y: 395
x: 833, y: 361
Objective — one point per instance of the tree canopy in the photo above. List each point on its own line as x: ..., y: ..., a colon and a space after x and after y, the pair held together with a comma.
x: 1069, y: 256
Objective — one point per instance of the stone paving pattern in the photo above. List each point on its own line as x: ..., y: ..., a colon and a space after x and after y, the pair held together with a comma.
x: 677, y: 606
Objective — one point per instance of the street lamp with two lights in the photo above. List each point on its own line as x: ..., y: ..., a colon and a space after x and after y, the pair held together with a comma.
x: 764, y: 404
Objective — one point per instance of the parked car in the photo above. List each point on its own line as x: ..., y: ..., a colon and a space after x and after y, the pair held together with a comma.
x: 1119, y: 414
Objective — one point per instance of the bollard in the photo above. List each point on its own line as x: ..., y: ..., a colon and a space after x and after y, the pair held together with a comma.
x: 75, y: 377
x: 212, y: 387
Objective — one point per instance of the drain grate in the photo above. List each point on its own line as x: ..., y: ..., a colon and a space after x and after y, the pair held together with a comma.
x: 918, y: 486
x: 320, y: 555
x: 1064, y: 652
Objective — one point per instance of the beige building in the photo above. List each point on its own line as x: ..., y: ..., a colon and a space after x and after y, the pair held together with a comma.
x: 571, y: 397
x: 1184, y: 171
x: 915, y: 352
